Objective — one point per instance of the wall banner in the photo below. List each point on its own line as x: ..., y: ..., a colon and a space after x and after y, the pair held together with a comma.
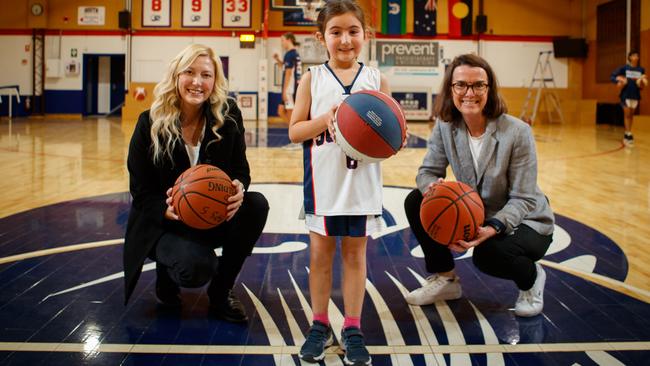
x: 156, y: 13
x: 406, y: 54
x: 236, y: 13
x: 197, y: 13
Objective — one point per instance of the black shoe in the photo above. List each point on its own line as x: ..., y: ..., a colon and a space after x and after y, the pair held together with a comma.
x: 168, y: 293
x: 228, y: 308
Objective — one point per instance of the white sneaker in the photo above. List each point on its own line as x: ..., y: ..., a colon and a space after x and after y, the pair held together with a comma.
x: 435, y: 289
x: 531, y: 302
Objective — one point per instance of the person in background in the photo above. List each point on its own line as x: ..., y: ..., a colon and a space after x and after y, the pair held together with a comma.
x: 291, y: 72
x: 630, y: 80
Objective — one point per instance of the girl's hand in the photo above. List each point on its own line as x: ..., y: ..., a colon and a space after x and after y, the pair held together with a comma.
x: 235, y: 200
x: 331, y: 115
x: 406, y: 136
x: 170, y: 214
x: 484, y: 233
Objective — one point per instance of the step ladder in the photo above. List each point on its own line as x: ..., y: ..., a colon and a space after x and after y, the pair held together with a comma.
x: 541, y: 81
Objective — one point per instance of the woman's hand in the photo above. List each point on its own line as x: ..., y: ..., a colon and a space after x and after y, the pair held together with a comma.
x: 484, y: 233
x: 170, y: 214
x: 235, y: 200
x: 433, y: 184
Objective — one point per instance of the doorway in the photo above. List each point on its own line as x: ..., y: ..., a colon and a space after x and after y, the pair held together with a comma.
x: 103, y: 84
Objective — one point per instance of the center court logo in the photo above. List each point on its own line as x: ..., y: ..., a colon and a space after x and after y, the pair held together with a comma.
x: 274, y: 285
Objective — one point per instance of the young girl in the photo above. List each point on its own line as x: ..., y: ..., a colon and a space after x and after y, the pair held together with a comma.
x: 342, y: 197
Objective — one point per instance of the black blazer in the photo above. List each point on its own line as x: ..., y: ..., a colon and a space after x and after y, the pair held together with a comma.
x: 148, y: 182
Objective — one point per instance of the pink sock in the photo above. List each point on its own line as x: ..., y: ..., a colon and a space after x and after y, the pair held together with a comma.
x: 322, y: 318
x: 352, y: 321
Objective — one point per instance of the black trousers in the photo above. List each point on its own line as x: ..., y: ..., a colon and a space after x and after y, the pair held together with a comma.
x: 186, y: 256
x: 511, y: 257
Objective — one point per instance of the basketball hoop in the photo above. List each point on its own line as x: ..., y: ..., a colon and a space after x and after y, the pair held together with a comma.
x: 310, y: 9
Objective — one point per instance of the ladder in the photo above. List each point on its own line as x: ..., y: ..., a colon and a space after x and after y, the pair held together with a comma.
x: 542, y: 79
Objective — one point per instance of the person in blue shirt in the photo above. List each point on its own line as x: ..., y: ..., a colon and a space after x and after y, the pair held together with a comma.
x: 630, y: 79
x: 291, y: 72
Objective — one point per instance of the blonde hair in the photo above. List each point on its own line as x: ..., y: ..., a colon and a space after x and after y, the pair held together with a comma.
x: 165, y: 110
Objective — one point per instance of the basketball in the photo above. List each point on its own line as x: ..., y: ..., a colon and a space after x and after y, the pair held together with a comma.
x: 200, y: 196
x: 451, y: 211
x: 370, y: 126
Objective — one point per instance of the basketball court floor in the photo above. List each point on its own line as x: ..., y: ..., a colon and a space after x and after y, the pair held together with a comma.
x: 63, y: 213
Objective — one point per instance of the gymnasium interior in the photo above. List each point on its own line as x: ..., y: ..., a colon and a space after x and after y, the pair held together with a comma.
x: 76, y: 74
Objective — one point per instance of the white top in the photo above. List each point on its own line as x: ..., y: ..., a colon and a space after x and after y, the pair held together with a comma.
x: 193, y: 153
x: 475, y: 146
x: 333, y: 183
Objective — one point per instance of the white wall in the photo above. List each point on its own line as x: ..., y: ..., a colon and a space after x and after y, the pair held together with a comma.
x: 12, y: 70
x: 84, y: 45
x: 513, y: 62
x: 151, y: 56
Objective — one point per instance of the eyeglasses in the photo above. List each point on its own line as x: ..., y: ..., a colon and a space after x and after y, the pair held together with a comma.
x: 461, y: 87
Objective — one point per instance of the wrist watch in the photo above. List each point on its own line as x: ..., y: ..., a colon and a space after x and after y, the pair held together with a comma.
x: 496, y: 224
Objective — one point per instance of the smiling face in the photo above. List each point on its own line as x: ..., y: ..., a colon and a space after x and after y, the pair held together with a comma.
x: 196, y: 83
x: 344, y: 37
x: 471, y: 103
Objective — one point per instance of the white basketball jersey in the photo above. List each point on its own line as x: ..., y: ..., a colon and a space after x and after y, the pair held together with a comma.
x: 333, y: 183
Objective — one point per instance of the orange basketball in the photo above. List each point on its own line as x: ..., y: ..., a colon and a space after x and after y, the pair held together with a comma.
x: 451, y: 211
x: 200, y: 196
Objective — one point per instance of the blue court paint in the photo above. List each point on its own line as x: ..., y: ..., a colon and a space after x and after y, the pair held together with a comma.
x: 576, y: 310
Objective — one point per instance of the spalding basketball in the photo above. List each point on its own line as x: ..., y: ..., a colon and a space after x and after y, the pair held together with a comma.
x: 451, y: 211
x: 370, y: 126
x: 200, y: 196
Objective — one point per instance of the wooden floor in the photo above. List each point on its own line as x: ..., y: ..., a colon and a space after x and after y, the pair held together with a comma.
x: 584, y: 169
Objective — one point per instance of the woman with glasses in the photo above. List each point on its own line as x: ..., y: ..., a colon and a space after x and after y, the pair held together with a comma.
x: 494, y: 153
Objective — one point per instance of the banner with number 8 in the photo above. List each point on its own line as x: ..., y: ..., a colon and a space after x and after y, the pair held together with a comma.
x: 156, y: 13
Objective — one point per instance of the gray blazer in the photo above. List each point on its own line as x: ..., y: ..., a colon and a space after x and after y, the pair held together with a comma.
x: 507, y: 170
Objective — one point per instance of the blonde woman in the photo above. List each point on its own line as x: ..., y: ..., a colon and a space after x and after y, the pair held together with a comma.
x: 191, y: 121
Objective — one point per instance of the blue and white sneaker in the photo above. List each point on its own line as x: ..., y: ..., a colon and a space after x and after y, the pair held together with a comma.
x: 318, y: 338
x: 356, y: 353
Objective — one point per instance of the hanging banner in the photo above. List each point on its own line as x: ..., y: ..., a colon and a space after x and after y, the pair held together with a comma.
x: 236, y: 14
x: 393, y: 20
x: 196, y: 13
x: 156, y: 13
x: 460, y: 17
x: 424, y: 20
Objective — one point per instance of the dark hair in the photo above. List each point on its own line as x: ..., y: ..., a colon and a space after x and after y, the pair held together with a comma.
x: 632, y: 52
x: 291, y: 37
x: 444, y: 107
x: 334, y: 8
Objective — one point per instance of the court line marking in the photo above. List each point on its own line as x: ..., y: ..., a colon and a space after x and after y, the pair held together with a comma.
x: 604, y: 281
x: 59, y: 250
x: 286, y: 350
x: 610, y: 283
